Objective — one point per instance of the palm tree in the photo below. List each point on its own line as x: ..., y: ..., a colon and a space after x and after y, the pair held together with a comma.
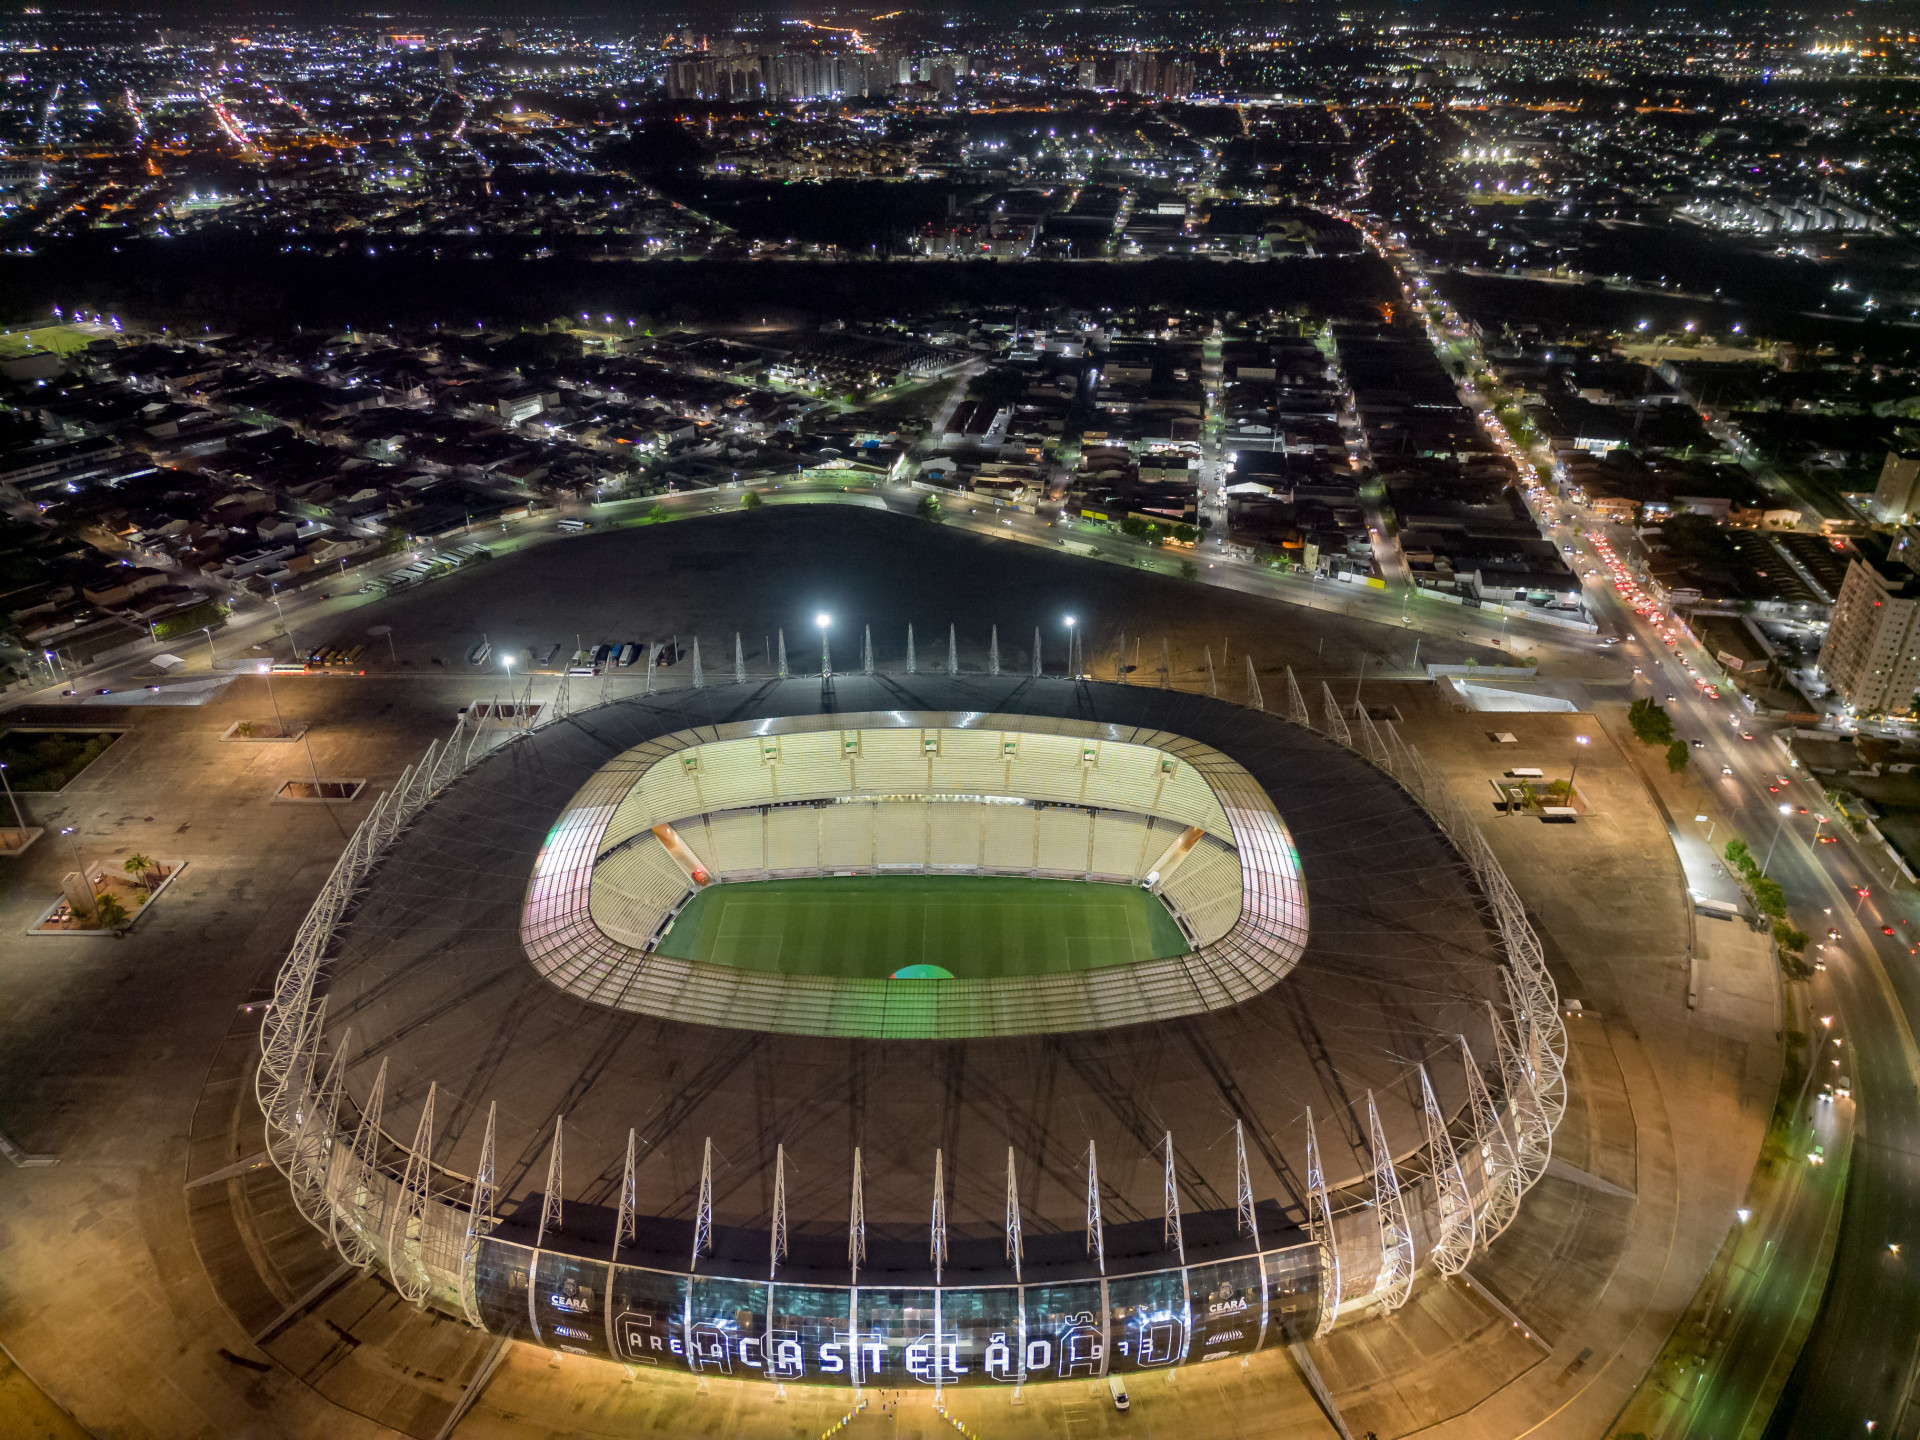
x: 139, y: 866
x: 109, y: 913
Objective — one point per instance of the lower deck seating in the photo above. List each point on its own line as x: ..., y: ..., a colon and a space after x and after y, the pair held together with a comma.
x: 636, y: 888
x: 633, y: 891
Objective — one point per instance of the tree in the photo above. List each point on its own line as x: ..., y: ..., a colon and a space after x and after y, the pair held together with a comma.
x: 109, y: 913
x: 1189, y: 570
x: 929, y: 507
x: 1186, y: 534
x: 1790, y: 940
x: 1650, y: 722
x: 1677, y: 756
x: 208, y: 614
x: 138, y: 866
x: 1739, y: 856
x: 1768, y: 898
x: 751, y: 500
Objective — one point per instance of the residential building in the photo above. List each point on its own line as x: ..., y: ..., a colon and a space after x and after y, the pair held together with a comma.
x: 1893, y: 497
x: 1871, y: 655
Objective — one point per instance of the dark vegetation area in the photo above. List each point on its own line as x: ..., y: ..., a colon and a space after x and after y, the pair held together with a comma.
x: 47, y: 760
x: 187, y: 283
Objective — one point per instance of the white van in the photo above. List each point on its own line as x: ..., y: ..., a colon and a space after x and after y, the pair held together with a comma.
x: 1117, y: 1387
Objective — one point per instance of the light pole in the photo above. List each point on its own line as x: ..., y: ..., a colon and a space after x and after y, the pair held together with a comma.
x: 12, y: 799
x: 312, y: 765
x: 1073, y: 670
x: 1785, y: 810
x: 506, y: 664
x: 293, y: 644
x: 213, y: 655
x: 66, y: 832
x: 266, y: 669
x: 1582, y: 741
x: 823, y: 620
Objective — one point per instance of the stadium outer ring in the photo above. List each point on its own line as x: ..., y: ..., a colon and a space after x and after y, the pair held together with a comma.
x: 398, y: 1216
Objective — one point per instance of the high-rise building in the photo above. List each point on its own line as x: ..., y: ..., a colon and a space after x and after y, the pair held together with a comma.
x: 1871, y: 655
x: 1893, y: 497
x: 1145, y: 73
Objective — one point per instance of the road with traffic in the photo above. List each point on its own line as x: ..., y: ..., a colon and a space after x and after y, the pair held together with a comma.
x: 1856, y: 1373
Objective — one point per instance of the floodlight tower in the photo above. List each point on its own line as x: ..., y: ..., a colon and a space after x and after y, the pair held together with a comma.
x: 824, y: 620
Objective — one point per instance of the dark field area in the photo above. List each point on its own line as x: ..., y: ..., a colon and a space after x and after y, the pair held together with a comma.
x: 855, y: 214
x: 1496, y: 300
x: 250, y: 283
x: 777, y: 568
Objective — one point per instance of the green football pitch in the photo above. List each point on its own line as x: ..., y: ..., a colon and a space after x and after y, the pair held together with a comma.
x: 968, y: 927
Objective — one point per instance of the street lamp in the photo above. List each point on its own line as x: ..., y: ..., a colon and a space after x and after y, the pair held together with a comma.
x: 1582, y: 741
x: 1073, y: 669
x: 293, y: 644
x: 823, y: 620
x: 1785, y: 810
x: 266, y: 669
x: 13, y: 800
x: 66, y: 832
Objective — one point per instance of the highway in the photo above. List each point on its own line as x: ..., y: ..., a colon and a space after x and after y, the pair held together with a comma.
x: 1857, y: 1371
x: 1857, y: 1364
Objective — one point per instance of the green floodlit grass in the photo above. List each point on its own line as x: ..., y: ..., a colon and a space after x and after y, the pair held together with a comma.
x: 973, y: 927
x: 61, y: 339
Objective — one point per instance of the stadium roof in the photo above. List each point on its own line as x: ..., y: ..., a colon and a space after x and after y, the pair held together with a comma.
x: 1400, y: 960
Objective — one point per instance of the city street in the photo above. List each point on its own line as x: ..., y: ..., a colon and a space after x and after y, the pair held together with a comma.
x: 1857, y: 1371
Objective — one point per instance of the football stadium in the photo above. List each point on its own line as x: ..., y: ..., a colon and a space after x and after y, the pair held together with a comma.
x: 926, y: 1029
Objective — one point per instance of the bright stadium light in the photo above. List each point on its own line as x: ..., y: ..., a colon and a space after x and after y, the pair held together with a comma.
x: 823, y: 619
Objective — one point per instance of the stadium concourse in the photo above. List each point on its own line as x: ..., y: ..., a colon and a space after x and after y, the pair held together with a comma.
x: 1013, y: 1172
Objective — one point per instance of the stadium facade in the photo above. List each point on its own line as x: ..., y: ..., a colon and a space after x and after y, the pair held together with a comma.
x: 483, y: 1079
